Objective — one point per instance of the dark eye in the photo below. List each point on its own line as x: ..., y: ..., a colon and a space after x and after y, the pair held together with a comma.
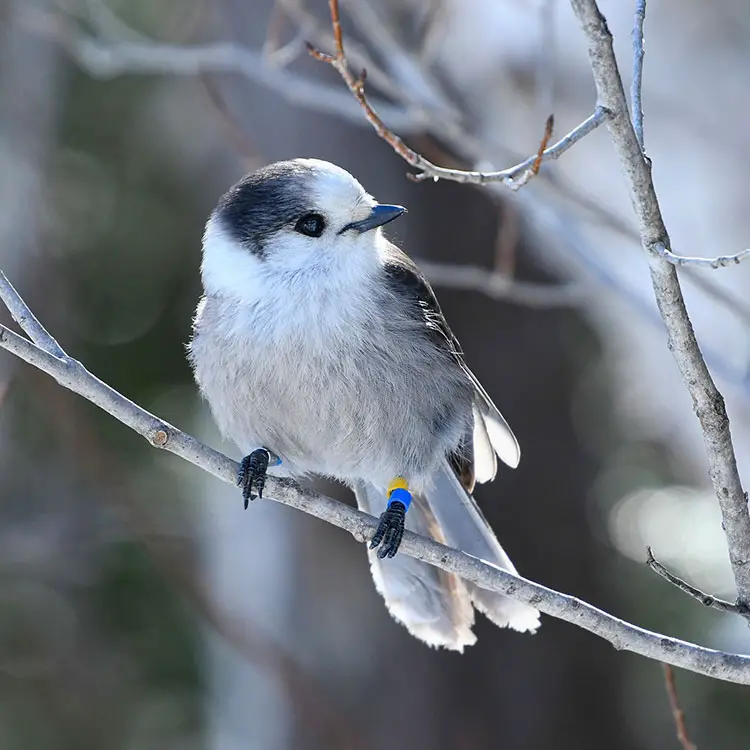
x: 312, y: 225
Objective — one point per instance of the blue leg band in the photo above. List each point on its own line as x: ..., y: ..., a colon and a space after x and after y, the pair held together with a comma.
x: 401, y: 495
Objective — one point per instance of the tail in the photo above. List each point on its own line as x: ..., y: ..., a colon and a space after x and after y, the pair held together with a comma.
x: 435, y: 606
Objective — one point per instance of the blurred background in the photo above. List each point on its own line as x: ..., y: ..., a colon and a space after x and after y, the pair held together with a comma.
x: 140, y: 607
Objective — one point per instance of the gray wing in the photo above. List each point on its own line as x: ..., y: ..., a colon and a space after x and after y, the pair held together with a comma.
x: 492, y: 434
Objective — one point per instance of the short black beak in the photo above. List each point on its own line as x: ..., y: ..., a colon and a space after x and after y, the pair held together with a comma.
x: 379, y: 215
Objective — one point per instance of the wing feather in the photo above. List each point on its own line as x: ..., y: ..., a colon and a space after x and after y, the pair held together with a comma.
x: 403, y: 272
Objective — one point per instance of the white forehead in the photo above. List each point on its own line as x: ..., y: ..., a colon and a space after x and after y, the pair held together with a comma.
x: 335, y: 192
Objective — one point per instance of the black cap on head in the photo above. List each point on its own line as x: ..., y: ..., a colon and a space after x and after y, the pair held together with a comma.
x: 264, y: 201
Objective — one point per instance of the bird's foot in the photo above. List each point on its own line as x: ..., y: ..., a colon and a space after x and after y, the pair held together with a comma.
x: 391, y: 527
x: 252, y: 474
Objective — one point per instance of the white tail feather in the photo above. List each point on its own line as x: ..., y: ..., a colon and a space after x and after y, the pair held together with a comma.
x: 435, y: 606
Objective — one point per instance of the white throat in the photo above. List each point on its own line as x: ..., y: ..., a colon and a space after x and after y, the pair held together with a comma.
x: 294, y: 287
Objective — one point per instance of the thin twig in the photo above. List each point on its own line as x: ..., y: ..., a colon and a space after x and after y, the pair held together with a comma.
x: 276, y: 21
x: 509, y: 175
x: 637, y: 85
x: 508, y: 236
x: 706, y: 599
x: 428, y: 170
x: 236, y: 132
x: 503, y: 287
x: 533, y: 170
x: 545, y: 70
x: 677, y: 712
x: 720, y: 261
x: 707, y: 401
x: 109, y: 60
x: 29, y: 324
x: 622, y: 635
x: 406, y: 67
x: 311, y: 29
x: 549, y: 127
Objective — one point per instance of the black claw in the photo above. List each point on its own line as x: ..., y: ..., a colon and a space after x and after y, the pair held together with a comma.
x: 252, y: 474
x: 390, y: 530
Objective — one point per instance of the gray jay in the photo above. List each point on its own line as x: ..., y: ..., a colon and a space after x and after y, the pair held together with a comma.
x: 321, y: 349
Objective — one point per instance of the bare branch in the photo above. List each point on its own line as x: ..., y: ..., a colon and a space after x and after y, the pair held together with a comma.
x: 682, y: 260
x: 29, y: 324
x: 677, y: 713
x: 310, y: 28
x: 109, y: 60
x: 637, y: 84
x: 706, y: 599
x: 533, y: 170
x: 428, y: 170
x: 622, y: 635
x: 500, y: 286
x: 707, y: 401
x: 236, y: 132
x: 404, y: 65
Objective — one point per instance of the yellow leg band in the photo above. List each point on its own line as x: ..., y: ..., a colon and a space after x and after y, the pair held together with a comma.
x: 399, y: 483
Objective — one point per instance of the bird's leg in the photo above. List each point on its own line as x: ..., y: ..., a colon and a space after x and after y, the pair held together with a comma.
x: 391, y: 527
x: 252, y: 473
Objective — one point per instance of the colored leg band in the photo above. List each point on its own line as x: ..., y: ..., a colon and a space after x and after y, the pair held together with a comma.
x: 401, y: 495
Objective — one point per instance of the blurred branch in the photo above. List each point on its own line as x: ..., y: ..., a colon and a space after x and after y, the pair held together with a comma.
x: 514, y: 177
x: 706, y: 599
x: 237, y: 134
x: 406, y: 67
x: 547, y: 53
x: 111, y: 59
x: 677, y: 713
x: 622, y: 635
x: 707, y: 401
x: 502, y: 287
x: 310, y: 28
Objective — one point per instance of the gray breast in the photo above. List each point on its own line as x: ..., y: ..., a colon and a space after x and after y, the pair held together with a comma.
x: 351, y: 406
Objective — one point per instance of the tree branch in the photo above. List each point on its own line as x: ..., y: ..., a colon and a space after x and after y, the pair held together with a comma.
x: 706, y: 599
x: 720, y: 261
x: 503, y: 287
x: 134, y: 54
x: 513, y: 177
x: 109, y: 60
x: 622, y: 635
x: 708, y: 403
x: 677, y: 713
x: 637, y: 85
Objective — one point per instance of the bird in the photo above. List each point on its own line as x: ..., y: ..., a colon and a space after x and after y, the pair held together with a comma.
x: 321, y: 350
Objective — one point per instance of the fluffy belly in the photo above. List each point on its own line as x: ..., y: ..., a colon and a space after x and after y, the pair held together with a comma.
x: 348, y: 417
